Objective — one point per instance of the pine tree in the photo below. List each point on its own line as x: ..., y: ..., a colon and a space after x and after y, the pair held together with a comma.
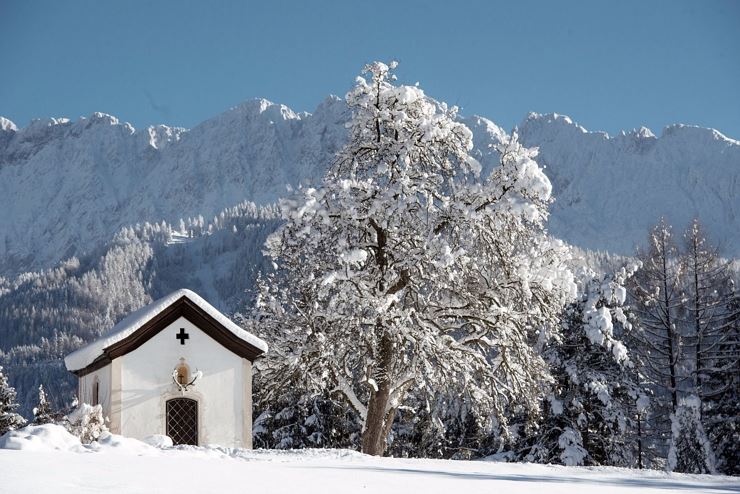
x: 446, y: 426
x: 647, y: 443
x: 407, y: 271
x: 9, y: 419
x: 690, y: 451
x: 42, y: 412
x: 595, y: 401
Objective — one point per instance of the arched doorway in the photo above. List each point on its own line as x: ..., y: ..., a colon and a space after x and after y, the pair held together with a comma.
x: 182, y: 421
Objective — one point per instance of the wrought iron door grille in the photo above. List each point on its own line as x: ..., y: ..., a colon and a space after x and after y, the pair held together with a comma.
x: 182, y: 421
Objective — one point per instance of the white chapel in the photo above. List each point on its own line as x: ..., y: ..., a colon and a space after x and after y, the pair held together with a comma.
x: 177, y: 367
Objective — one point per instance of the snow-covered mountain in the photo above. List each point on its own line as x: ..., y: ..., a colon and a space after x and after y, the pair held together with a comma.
x: 67, y: 187
x: 610, y: 190
x: 76, y: 188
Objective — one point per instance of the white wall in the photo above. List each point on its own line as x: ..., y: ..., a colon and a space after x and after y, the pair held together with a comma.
x: 85, y: 388
x: 146, y: 384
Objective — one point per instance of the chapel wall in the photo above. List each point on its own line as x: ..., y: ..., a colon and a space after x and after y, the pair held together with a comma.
x: 87, y: 383
x: 146, y: 384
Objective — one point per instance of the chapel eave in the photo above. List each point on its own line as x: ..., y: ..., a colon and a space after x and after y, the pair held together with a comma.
x: 182, y: 307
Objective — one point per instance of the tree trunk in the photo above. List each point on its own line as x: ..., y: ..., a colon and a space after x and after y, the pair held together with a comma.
x: 373, y: 439
x: 377, y: 424
x: 639, y: 441
x: 697, y: 323
x: 669, y: 328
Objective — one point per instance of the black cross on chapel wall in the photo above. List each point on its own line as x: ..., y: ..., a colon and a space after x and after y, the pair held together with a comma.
x: 182, y: 336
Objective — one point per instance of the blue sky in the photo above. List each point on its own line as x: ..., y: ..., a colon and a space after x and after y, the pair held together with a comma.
x: 609, y: 65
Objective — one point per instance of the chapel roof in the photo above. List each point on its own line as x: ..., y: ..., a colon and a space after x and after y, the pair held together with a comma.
x: 142, y: 324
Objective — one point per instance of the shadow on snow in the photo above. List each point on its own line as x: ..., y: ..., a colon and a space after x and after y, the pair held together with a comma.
x: 625, y: 482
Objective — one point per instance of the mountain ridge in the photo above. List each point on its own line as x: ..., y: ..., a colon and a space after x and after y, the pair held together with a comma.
x: 67, y: 186
x: 616, y: 187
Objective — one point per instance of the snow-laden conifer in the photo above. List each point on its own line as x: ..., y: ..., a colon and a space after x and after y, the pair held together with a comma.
x: 306, y: 421
x: 408, y: 272
x: 42, y: 412
x: 9, y: 419
x: 595, y: 400
x: 690, y: 451
x: 722, y: 402
x: 720, y: 382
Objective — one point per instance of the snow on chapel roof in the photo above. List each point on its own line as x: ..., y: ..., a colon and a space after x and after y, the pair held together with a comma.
x: 126, y: 327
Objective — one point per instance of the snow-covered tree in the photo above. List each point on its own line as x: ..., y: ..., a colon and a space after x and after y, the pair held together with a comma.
x: 721, y: 388
x: 657, y: 291
x: 405, y: 271
x: 596, y: 399
x: 690, y: 451
x: 706, y: 285
x: 711, y: 328
x: 648, y: 445
x: 9, y: 419
x: 42, y: 412
x: 86, y: 422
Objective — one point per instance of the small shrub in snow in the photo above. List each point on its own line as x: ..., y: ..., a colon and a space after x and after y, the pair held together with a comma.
x: 86, y: 422
x: 572, y: 452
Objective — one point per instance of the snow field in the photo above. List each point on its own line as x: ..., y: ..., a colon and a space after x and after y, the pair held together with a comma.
x: 47, y: 459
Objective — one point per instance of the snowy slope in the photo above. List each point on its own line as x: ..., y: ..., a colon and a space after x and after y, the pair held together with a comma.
x: 50, y: 460
x: 67, y: 187
x: 46, y: 315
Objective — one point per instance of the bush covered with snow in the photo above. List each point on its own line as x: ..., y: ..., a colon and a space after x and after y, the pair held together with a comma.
x: 42, y: 412
x: 86, y: 422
